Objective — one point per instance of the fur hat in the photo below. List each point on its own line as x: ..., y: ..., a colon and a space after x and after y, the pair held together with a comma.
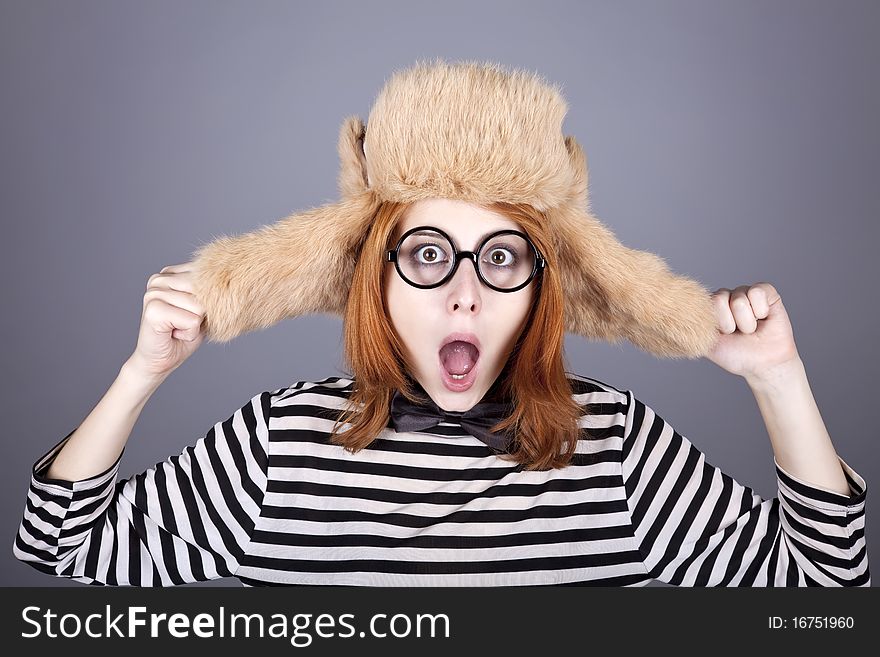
x: 470, y: 131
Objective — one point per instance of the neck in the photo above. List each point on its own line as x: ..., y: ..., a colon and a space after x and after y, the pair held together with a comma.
x: 493, y: 394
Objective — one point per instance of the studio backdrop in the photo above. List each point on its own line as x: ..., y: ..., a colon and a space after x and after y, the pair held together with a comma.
x: 737, y: 140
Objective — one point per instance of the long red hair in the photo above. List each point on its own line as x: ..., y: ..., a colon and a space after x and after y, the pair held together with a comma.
x: 545, y: 419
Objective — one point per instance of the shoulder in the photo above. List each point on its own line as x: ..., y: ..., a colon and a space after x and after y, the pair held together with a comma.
x: 322, y: 392
x: 589, y: 390
x: 593, y: 394
x: 605, y: 408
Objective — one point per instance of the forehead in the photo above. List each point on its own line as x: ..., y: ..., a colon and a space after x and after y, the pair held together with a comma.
x: 466, y: 223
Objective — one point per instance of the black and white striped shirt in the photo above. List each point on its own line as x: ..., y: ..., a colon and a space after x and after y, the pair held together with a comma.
x: 266, y: 498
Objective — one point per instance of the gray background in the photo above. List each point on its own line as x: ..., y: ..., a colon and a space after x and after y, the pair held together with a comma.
x: 738, y: 140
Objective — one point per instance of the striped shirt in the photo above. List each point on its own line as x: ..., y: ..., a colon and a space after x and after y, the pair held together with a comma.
x: 265, y: 498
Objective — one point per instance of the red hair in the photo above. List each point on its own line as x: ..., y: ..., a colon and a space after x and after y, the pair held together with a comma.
x: 545, y: 419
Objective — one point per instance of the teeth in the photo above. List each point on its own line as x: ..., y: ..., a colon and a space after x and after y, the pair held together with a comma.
x: 458, y: 376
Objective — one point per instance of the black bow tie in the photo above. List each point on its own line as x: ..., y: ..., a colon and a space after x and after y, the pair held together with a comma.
x: 407, y: 416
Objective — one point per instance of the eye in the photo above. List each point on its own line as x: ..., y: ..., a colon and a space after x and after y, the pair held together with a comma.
x: 430, y: 254
x: 501, y: 257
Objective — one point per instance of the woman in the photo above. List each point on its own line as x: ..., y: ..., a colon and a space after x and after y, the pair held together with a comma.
x: 458, y: 451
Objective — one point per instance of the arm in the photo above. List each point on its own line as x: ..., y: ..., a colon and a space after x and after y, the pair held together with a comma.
x: 186, y: 519
x: 801, y: 444
x: 756, y: 342
x: 696, y: 526
x: 170, y: 332
x: 100, y: 439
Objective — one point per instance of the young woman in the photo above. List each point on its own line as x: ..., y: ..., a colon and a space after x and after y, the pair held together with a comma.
x: 458, y: 451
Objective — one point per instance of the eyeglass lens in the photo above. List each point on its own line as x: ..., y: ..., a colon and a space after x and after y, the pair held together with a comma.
x: 506, y: 260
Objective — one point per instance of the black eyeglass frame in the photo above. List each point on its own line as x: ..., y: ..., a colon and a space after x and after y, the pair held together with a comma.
x: 391, y: 255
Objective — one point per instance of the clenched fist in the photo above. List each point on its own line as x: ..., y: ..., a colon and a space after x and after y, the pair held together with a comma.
x: 171, y: 323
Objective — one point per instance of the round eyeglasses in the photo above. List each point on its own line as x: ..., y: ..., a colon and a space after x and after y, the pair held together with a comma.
x: 425, y: 257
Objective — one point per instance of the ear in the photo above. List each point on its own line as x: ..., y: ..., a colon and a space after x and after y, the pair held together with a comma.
x: 301, y: 264
x: 614, y: 292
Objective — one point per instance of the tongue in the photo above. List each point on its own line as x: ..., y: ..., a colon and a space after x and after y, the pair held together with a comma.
x: 459, y: 357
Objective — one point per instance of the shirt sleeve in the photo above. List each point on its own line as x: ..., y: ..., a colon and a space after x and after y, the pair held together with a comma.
x: 696, y: 526
x: 184, y: 520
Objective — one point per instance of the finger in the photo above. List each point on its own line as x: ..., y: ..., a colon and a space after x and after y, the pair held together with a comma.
x: 771, y: 296
x: 175, y: 298
x: 187, y: 335
x: 742, y: 310
x: 171, y: 281
x: 164, y: 317
x: 759, y: 297
x: 184, y: 266
x: 720, y: 301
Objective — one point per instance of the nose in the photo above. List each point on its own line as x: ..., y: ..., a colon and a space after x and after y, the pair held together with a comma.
x: 464, y: 287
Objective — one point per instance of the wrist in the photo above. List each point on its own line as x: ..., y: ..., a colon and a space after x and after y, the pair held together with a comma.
x: 134, y: 375
x: 779, y: 377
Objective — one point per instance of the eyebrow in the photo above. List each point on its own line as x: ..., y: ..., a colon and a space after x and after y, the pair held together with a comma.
x: 479, y: 239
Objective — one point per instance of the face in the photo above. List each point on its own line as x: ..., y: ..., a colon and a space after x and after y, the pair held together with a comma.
x: 425, y: 318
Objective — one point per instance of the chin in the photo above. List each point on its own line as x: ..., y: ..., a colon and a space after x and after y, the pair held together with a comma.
x: 459, y: 401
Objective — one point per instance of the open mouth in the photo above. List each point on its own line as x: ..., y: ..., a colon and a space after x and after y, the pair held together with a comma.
x: 458, y: 363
